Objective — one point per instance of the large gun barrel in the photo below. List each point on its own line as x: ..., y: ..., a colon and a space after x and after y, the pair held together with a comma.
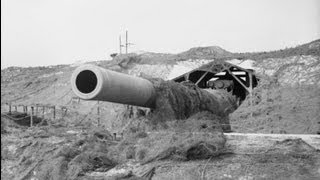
x: 91, y: 82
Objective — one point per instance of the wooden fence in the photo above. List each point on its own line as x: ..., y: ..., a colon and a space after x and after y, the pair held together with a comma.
x: 41, y: 111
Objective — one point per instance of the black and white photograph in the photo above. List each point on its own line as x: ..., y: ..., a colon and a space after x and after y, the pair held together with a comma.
x: 160, y: 89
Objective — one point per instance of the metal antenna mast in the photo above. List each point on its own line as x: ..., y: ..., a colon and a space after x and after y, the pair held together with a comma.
x: 120, y: 45
x: 127, y: 43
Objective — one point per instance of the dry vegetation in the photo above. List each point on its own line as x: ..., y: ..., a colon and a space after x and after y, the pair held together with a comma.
x: 158, y: 144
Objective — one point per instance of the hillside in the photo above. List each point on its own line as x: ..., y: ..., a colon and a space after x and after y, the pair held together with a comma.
x: 216, y: 52
x: 293, y: 67
x: 312, y: 49
x: 102, y: 140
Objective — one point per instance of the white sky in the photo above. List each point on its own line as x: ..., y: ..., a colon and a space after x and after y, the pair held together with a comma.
x: 47, y: 32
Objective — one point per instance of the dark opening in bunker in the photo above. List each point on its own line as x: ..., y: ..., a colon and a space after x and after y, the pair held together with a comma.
x: 86, y: 81
x: 233, y: 79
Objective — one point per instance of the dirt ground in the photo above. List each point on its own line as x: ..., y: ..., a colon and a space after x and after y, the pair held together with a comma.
x: 79, y: 152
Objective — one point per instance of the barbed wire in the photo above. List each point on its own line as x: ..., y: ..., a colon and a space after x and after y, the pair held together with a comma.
x: 15, y: 119
x: 91, y: 110
x: 65, y: 94
x: 129, y: 122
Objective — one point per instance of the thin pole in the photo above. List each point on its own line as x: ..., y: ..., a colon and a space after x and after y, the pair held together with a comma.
x: 126, y: 42
x: 31, y: 117
x: 250, y: 93
x: 114, y: 136
x: 54, y: 112
x: 120, y: 45
x: 250, y: 88
x: 9, y: 108
x: 43, y: 108
x: 98, y: 113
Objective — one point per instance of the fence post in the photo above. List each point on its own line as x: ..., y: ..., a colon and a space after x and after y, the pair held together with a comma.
x: 115, y: 136
x: 43, y: 108
x: 98, y: 113
x: 9, y: 108
x: 250, y: 93
x: 31, y: 117
x: 63, y: 111
x: 54, y: 112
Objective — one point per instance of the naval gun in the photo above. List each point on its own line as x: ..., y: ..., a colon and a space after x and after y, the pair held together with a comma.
x: 90, y: 82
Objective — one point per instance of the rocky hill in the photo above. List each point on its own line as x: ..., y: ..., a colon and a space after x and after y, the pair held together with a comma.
x: 211, y: 52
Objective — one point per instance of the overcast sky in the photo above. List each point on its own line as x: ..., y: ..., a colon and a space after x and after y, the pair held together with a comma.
x: 48, y: 32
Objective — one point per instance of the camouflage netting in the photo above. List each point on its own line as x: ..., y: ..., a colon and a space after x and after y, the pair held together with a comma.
x: 198, y: 137
x: 73, y: 157
x: 182, y: 100
x: 65, y: 160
